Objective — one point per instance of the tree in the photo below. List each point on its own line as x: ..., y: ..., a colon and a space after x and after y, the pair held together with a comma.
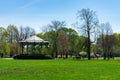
x: 13, y: 34
x: 54, y: 32
x: 107, y: 39
x: 4, y: 46
x: 3, y: 33
x: 90, y: 23
x: 13, y: 39
x: 63, y: 43
x: 25, y: 32
x: 74, y: 40
x: 117, y: 44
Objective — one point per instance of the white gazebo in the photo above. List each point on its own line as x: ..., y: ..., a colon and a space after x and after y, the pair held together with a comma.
x: 34, y: 40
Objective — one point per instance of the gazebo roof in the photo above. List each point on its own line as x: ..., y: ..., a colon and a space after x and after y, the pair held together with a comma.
x: 34, y: 39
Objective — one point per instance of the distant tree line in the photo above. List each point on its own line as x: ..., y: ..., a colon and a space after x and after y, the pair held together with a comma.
x: 94, y: 38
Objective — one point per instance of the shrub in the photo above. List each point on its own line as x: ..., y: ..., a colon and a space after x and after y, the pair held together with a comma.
x: 32, y: 56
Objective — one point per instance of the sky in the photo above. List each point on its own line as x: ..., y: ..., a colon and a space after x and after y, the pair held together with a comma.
x: 39, y: 13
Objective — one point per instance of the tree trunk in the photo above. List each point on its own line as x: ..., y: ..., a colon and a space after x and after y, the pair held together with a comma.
x: 88, y: 44
x: 66, y: 55
x: 104, y: 55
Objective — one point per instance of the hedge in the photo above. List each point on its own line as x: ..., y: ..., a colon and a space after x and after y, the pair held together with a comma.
x: 32, y: 56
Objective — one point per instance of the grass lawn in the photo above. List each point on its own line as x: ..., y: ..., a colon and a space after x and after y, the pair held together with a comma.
x: 59, y: 69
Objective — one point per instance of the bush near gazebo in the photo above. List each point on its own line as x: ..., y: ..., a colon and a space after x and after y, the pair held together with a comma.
x: 32, y: 56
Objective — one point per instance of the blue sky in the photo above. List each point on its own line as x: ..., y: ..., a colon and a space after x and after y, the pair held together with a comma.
x: 38, y: 13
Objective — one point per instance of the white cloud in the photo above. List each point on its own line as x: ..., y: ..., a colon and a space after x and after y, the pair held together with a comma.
x: 29, y: 4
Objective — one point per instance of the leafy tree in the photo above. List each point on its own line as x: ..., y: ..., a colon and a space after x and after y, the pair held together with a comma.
x: 117, y: 44
x: 13, y: 39
x: 3, y: 34
x: 4, y: 46
x: 63, y: 43
x: 54, y: 34
x: 13, y: 34
x: 72, y: 38
x: 41, y: 35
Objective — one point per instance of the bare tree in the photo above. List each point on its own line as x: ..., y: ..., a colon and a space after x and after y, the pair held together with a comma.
x: 21, y: 33
x: 56, y: 25
x: 107, y: 40
x: 28, y: 32
x: 25, y: 32
x: 89, y: 24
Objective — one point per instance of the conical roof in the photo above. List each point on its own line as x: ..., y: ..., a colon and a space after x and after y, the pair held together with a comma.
x: 34, y: 39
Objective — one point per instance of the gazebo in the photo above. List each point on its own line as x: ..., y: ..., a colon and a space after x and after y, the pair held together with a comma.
x: 32, y: 41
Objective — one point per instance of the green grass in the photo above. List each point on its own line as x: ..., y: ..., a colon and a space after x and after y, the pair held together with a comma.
x: 59, y: 69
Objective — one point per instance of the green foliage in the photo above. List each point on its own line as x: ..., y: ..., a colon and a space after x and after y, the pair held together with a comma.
x: 72, y: 39
x: 117, y: 44
x: 14, y: 49
x: 110, y: 44
x: 4, y: 48
x: 3, y: 34
x: 73, y: 42
x: 40, y: 35
x: 44, y: 50
x: 59, y: 70
x: 12, y: 34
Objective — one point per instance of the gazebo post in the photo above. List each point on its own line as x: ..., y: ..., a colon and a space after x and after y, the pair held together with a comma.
x: 40, y: 45
x: 34, y: 48
x: 22, y: 47
x: 27, y: 47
